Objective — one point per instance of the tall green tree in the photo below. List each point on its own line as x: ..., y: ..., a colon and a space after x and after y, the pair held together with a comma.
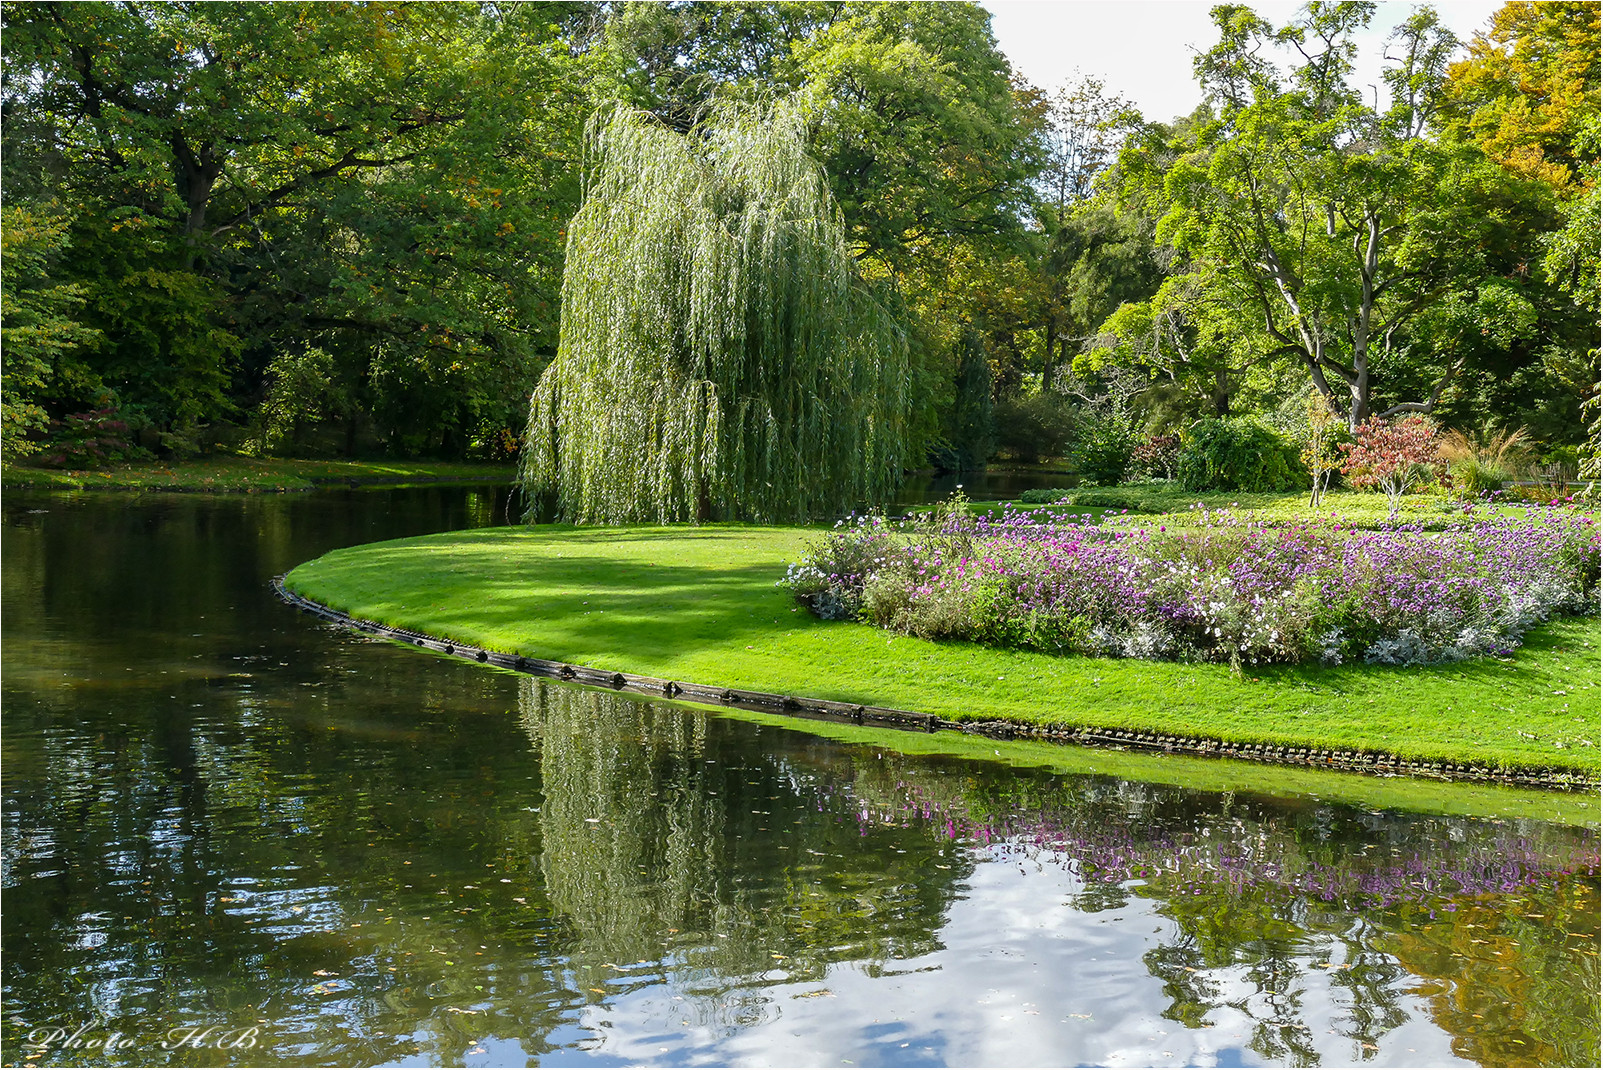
x: 929, y: 145
x: 248, y: 178
x: 911, y: 107
x: 1087, y: 251
x: 1348, y: 235
x: 1529, y: 91
x: 1085, y: 126
x: 39, y: 326
x: 919, y: 126
x: 1529, y: 95
x: 1099, y: 257
x: 720, y: 356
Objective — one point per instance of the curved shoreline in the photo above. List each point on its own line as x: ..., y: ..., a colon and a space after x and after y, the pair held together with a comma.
x: 1372, y: 762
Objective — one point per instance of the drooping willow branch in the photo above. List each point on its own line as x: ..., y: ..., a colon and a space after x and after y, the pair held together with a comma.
x: 720, y: 357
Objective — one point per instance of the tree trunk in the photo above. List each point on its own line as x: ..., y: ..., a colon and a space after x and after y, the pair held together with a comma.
x: 1368, y: 266
x: 1047, y: 365
x: 1221, y: 393
x: 197, y: 176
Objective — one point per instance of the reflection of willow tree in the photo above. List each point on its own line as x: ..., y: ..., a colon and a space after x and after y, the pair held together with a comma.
x: 630, y: 831
x: 662, y: 840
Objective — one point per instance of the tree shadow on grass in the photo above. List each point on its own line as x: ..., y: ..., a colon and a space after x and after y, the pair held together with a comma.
x: 564, y: 604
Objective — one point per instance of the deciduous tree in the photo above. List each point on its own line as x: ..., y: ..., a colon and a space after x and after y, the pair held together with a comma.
x: 389, y: 180
x: 1340, y: 229
x: 1392, y: 456
x: 721, y: 358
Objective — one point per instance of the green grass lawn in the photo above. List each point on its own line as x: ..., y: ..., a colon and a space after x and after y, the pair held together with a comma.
x: 1143, y: 505
x: 701, y: 605
x: 254, y: 474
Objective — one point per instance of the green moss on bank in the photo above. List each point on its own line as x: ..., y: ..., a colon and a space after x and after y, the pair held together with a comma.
x: 255, y: 475
x: 700, y: 604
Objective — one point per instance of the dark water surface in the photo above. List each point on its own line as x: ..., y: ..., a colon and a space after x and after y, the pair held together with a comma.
x: 298, y: 846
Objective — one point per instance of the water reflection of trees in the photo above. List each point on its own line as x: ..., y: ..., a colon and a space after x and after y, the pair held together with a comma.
x: 1270, y: 899
x: 1495, y: 923
x: 197, y: 837
x: 211, y: 817
x: 737, y: 867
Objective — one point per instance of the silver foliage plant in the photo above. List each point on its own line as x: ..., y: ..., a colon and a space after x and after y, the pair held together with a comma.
x: 720, y: 357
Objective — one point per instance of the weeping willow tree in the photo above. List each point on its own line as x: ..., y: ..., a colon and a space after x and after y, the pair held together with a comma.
x: 720, y: 357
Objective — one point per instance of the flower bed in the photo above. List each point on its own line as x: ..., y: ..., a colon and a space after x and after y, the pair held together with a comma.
x: 1232, y: 589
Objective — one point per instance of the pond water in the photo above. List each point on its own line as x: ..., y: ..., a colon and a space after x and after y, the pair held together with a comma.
x: 233, y: 836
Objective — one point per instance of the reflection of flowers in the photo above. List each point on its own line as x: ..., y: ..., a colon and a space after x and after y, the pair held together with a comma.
x: 1420, y: 859
x: 1209, y: 859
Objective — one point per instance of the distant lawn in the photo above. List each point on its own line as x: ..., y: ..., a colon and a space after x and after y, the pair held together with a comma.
x: 260, y: 474
x: 701, y: 605
x: 1143, y: 505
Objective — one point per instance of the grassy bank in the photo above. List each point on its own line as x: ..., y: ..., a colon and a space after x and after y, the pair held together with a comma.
x: 701, y: 605
x: 254, y: 474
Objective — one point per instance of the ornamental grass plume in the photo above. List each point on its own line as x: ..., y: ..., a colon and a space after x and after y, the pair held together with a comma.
x: 1485, y: 461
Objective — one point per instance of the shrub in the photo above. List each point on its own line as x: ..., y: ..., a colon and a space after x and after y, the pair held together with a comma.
x: 1390, y: 456
x: 303, y: 388
x: 1236, y: 454
x: 1156, y: 457
x: 1102, y: 451
x: 1046, y: 497
x: 90, y: 440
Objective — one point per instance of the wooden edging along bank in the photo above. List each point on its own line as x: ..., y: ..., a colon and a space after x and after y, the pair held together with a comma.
x: 1373, y: 762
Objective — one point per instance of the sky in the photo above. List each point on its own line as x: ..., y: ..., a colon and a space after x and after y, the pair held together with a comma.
x: 1142, y: 49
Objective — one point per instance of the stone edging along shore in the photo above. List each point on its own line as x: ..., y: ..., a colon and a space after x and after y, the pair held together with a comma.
x: 1373, y: 762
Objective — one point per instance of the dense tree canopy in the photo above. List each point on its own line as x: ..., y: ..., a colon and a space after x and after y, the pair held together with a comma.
x: 244, y: 180
x: 333, y: 227
x: 1391, y: 260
